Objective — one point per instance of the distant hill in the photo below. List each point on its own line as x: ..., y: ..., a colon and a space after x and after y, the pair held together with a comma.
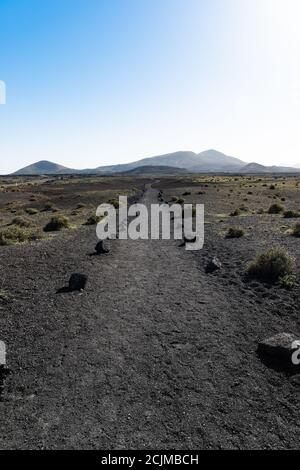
x: 210, y: 161
x: 259, y: 169
x: 155, y: 170
x: 207, y: 161
x: 43, y: 167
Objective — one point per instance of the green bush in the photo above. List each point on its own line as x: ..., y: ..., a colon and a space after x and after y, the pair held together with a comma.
x: 16, y: 234
x: 235, y: 232
x: 21, y: 221
x: 276, y: 209
x: 114, y: 202
x: 4, y: 295
x: 93, y: 220
x: 296, y: 231
x: 235, y: 213
x: 57, y: 223
x: 31, y: 211
x: 288, y: 281
x: 180, y: 200
x: 272, y: 265
x: 50, y: 207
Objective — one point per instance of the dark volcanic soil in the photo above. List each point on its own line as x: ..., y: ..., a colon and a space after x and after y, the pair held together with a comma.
x: 153, y: 354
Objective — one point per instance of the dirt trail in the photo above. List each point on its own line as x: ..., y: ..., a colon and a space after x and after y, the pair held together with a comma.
x: 150, y: 355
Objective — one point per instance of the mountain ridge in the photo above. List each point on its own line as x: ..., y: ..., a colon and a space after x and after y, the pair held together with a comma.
x: 208, y: 161
x: 155, y: 170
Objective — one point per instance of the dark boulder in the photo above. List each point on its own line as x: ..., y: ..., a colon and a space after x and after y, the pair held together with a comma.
x: 280, y: 346
x: 213, y: 265
x: 101, y: 249
x: 77, y: 282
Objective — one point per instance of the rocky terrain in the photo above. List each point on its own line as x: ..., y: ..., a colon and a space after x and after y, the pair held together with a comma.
x: 155, y: 352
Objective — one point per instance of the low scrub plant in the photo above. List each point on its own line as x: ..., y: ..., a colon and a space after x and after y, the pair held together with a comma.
x: 15, y: 234
x: 21, y: 221
x: 57, y: 223
x: 235, y: 213
x: 288, y: 281
x: 296, y: 230
x: 276, y: 209
x: 4, y: 295
x: 49, y: 207
x: 114, y: 202
x: 272, y: 265
x: 31, y: 211
x: 235, y: 232
x: 180, y: 200
x: 93, y: 220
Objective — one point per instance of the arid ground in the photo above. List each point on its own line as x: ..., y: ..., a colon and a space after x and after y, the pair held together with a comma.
x: 155, y: 353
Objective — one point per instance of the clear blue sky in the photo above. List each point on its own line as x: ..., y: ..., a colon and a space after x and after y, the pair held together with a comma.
x: 94, y: 82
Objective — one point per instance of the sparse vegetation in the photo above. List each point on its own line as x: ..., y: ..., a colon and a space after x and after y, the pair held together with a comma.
x: 276, y: 209
x: 57, y: 223
x: 235, y: 213
x: 49, y: 207
x: 180, y: 201
x: 15, y: 234
x: 114, y: 202
x: 296, y: 230
x: 288, y: 281
x: 4, y: 295
x: 93, y: 219
x: 31, y: 211
x: 235, y: 232
x: 42, y: 305
x: 272, y: 265
x: 21, y: 221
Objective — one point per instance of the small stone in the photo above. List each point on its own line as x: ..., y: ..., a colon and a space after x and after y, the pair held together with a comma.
x: 100, y: 248
x: 279, y: 346
x: 213, y: 265
x: 77, y: 281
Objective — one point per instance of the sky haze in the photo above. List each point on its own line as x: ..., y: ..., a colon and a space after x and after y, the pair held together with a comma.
x: 93, y: 82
